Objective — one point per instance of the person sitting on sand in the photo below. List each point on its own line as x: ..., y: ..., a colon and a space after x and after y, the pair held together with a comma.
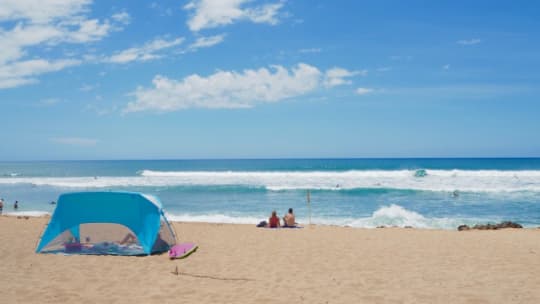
x: 128, y: 239
x: 288, y: 219
x: 273, y: 221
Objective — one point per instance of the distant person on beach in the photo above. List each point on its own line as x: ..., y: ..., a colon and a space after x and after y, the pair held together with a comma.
x: 273, y: 221
x: 16, y: 205
x: 1, y: 205
x: 288, y: 219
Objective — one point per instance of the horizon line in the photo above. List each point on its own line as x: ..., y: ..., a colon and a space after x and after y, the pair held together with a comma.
x: 276, y: 158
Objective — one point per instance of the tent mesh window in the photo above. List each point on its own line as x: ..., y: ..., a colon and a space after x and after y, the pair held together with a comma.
x: 165, y: 238
x: 97, y: 238
x: 60, y: 242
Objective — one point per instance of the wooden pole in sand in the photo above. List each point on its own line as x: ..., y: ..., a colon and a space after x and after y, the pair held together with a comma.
x: 308, y: 197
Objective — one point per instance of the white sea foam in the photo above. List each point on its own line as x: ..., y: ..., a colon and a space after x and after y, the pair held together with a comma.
x: 435, y: 180
x: 388, y: 216
x: 213, y: 218
x: 27, y: 213
x: 395, y: 215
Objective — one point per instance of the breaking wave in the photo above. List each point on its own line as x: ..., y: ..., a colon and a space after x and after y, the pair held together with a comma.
x: 387, y: 216
x: 432, y: 180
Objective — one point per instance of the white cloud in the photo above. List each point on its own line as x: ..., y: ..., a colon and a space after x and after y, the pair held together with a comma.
x: 203, y: 42
x: 363, y: 91
x: 6, y: 83
x: 469, y: 41
x: 338, y: 76
x: 148, y: 51
x: 75, y: 141
x: 230, y: 89
x: 210, y: 14
x: 264, y: 14
x: 87, y: 31
x: 122, y: 17
x: 35, y: 23
x: 14, y: 41
x: 24, y: 72
x: 39, y: 11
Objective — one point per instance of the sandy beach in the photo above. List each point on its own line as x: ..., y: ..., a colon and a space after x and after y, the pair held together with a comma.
x: 245, y: 264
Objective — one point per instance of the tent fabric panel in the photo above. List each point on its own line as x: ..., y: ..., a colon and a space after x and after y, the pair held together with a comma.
x: 132, y: 210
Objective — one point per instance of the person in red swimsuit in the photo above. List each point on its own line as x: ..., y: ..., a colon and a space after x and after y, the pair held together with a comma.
x: 273, y: 221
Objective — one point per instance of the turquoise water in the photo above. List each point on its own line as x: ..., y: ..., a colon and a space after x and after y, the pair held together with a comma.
x: 424, y: 193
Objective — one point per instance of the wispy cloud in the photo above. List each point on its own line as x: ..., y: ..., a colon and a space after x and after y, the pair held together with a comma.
x: 339, y: 76
x: 162, y: 11
x: 149, y: 51
x: 122, y: 17
x: 211, y: 14
x: 469, y: 41
x: 363, y: 91
x: 204, y: 42
x: 34, y: 23
x: 75, y: 141
x: 230, y: 89
x: 23, y: 72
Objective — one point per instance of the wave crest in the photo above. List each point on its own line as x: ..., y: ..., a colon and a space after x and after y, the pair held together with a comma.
x: 434, y: 180
x: 387, y: 216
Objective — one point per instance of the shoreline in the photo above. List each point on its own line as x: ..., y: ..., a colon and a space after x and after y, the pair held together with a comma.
x: 240, y: 263
x: 487, y: 226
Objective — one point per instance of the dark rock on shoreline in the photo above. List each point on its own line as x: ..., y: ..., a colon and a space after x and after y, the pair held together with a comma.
x: 502, y: 225
x: 463, y: 227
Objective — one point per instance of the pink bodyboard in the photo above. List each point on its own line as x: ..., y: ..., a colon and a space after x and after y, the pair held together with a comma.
x: 182, y: 250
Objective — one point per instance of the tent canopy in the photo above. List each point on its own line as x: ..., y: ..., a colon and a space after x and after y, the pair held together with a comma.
x: 120, y: 223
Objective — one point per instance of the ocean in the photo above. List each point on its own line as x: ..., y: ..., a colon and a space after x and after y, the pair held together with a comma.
x: 422, y: 193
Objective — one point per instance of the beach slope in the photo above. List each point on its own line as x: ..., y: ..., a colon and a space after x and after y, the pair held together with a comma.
x: 245, y: 264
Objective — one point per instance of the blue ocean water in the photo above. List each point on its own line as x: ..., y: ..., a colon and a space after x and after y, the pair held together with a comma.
x: 423, y: 193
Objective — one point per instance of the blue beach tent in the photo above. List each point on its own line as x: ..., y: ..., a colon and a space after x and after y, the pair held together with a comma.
x: 117, y: 223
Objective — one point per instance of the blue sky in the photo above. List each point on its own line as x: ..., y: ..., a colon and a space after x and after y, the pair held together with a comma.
x: 82, y: 79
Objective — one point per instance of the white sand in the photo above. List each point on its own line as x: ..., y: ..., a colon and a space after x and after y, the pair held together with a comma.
x: 245, y: 264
